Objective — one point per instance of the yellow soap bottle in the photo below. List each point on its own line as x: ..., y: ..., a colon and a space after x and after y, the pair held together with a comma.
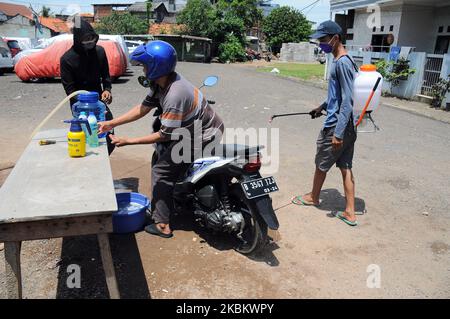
x: 76, y: 138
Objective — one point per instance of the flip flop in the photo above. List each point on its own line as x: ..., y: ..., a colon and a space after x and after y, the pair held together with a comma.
x: 345, y: 220
x: 298, y: 200
x: 154, y: 230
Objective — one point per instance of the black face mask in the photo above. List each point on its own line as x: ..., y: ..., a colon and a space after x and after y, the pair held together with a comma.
x: 145, y: 82
x: 89, y: 46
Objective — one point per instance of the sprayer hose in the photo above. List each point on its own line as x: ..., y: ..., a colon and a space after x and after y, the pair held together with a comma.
x: 65, y: 100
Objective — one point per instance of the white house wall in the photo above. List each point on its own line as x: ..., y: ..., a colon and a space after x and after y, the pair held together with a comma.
x: 414, y: 26
x: 417, y: 28
x: 363, y: 32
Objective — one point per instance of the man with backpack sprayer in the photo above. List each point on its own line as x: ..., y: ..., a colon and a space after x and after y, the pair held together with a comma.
x: 335, y: 144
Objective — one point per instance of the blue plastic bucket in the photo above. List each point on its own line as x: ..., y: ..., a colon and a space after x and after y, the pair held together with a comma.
x: 130, y: 216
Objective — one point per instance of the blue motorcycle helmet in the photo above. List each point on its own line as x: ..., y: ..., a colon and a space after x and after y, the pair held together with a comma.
x: 158, y: 56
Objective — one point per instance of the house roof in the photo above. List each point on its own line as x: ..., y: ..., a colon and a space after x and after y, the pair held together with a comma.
x: 141, y: 6
x: 54, y: 24
x: 12, y: 10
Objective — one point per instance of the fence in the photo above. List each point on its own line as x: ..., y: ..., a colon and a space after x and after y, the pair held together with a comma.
x: 432, y: 72
x: 429, y: 69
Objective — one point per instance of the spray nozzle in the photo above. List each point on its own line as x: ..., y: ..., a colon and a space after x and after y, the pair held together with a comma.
x: 75, y: 125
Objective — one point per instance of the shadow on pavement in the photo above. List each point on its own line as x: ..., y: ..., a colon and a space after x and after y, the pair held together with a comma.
x: 84, y: 252
x: 333, y: 200
x: 221, y: 241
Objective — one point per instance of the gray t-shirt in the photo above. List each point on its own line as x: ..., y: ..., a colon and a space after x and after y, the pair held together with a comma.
x: 183, y: 105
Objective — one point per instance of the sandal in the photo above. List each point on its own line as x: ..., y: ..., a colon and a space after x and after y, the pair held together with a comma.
x: 298, y: 200
x: 340, y: 215
x: 154, y: 230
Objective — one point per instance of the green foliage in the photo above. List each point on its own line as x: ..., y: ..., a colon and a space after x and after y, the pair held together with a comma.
x: 394, y: 71
x: 198, y: 16
x: 222, y: 23
x: 439, y: 91
x: 302, y: 71
x: 231, y: 50
x: 285, y: 24
x: 246, y: 10
x: 121, y: 23
x: 148, y: 9
x: 225, y: 24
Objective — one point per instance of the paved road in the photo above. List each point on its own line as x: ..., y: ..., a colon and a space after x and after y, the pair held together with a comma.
x: 401, y: 172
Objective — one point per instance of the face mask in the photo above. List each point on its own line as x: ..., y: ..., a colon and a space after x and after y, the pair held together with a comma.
x: 326, y: 47
x: 145, y: 82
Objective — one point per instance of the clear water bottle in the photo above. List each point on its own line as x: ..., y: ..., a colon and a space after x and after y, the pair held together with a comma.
x: 93, y: 138
x: 83, y: 116
x: 89, y: 102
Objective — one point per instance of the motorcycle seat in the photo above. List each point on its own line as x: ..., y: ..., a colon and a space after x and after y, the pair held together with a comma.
x: 232, y: 150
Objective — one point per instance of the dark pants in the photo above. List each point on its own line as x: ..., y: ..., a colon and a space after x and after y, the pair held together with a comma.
x: 326, y: 156
x: 164, y: 175
x: 109, y: 117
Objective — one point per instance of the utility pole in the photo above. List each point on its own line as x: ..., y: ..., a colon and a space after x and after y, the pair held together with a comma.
x: 149, y: 4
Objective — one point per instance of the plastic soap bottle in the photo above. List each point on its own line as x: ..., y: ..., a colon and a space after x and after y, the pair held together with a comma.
x: 93, y: 138
x: 83, y: 117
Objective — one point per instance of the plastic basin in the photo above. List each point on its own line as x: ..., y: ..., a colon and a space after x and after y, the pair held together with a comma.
x: 130, y: 216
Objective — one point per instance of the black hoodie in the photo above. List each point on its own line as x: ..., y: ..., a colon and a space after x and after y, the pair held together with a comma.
x: 84, y: 70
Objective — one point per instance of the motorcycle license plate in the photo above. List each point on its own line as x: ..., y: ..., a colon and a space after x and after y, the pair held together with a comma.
x: 259, y: 187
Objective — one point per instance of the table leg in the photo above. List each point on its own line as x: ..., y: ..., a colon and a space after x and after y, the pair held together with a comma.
x: 108, y: 266
x: 13, y: 271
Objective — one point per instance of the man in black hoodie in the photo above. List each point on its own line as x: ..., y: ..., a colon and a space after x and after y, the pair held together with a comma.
x: 85, y: 67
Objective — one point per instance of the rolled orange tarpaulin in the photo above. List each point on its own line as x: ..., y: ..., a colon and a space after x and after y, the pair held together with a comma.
x: 45, y: 63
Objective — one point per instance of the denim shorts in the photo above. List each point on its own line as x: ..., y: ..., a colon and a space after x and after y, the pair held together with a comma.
x: 326, y: 157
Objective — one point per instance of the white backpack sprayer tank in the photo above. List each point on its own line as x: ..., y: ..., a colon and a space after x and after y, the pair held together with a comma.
x: 366, y: 94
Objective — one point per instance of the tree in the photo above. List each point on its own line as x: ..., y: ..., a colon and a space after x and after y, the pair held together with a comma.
x: 198, y: 16
x: 45, y: 12
x: 222, y: 23
x: 121, y: 23
x: 148, y: 9
x: 247, y: 10
x: 285, y: 24
x: 394, y: 71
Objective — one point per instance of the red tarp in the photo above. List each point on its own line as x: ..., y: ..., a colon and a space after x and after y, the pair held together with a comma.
x: 45, y: 64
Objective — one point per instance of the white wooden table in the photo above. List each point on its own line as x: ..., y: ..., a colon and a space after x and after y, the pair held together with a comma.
x: 50, y: 195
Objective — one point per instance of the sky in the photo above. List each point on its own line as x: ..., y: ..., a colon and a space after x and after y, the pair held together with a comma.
x: 317, y: 12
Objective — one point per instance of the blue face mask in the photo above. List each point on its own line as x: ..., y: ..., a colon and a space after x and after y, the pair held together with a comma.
x: 326, y: 47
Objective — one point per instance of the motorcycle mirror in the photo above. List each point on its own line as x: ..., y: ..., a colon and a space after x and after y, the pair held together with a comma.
x: 211, y: 81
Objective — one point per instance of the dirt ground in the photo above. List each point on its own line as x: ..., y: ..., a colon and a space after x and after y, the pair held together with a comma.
x: 402, y: 178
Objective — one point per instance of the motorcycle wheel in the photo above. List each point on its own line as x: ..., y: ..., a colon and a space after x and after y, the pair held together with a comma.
x: 255, y: 231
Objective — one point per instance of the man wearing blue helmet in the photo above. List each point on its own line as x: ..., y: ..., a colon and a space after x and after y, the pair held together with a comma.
x: 180, y: 105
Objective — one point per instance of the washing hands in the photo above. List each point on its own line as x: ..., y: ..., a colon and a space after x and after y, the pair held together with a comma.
x: 107, y: 126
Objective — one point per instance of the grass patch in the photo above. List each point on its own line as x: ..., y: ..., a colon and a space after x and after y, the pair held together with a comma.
x: 297, y: 70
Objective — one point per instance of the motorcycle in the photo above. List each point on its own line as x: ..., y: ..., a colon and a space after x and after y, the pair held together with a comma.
x: 226, y: 193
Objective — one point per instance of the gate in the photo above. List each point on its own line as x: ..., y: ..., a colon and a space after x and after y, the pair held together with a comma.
x: 432, y: 72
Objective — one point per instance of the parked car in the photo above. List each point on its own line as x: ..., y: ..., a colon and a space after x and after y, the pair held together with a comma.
x: 25, y: 43
x: 45, y: 63
x: 132, y: 45
x: 6, y: 61
x: 41, y: 45
x: 44, y: 43
x: 13, y: 46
